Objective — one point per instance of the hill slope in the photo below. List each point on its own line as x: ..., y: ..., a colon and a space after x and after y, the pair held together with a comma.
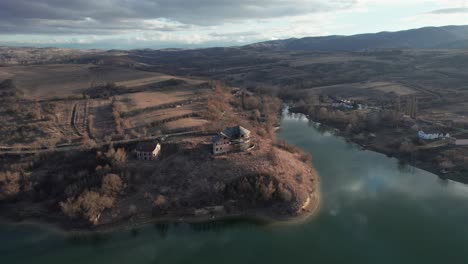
x: 422, y: 38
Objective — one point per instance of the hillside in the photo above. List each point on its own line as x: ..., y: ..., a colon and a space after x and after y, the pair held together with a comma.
x: 423, y: 38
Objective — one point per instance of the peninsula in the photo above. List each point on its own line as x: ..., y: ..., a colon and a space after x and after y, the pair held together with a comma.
x: 128, y: 155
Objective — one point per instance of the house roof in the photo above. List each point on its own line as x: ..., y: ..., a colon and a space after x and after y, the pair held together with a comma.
x: 235, y: 132
x: 232, y: 133
x: 216, y: 138
x: 146, y: 146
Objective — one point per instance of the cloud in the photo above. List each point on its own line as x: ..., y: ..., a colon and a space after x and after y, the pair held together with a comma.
x: 108, y: 17
x: 455, y: 10
x: 234, y: 34
x: 195, y: 23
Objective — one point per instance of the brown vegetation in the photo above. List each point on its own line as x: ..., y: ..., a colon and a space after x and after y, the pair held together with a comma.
x: 9, y: 184
x: 111, y: 185
x: 89, y: 205
x: 117, y: 157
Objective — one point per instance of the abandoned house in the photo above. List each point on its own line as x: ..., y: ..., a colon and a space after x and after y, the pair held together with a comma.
x: 231, y: 139
x: 148, y: 150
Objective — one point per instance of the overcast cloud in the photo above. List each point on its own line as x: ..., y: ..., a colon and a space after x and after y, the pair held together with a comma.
x: 455, y: 10
x: 109, y: 16
x: 194, y: 22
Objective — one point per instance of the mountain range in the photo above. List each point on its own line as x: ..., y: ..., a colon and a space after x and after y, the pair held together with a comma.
x: 447, y: 37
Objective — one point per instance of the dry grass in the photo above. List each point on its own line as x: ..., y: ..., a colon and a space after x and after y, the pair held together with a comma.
x: 185, y: 123
x: 147, y: 118
x: 102, y: 124
x: 385, y: 87
x: 331, y: 59
x: 389, y: 87
x: 149, y: 99
x: 51, y: 81
x: 155, y: 79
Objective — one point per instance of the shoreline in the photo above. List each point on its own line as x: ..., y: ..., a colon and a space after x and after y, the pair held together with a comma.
x: 415, y: 162
x: 259, y: 219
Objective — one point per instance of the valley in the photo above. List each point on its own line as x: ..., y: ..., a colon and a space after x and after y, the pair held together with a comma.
x: 74, y: 119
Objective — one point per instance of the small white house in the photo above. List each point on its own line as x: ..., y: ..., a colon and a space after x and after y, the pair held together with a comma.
x: 148, y: 150
x: 343, y: 104
x: 434, y: 136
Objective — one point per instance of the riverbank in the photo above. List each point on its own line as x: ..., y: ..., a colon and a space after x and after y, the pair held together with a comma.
x: 110, y: 222
x: 389, y: 141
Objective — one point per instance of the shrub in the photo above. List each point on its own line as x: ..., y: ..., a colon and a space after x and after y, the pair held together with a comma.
x: 265, y: 189
x: 305, y: 157
x: 9, y: 184
x: 282, y: 144
x: 117, y: 157
x: 89, y: 206
x: 111, y: 184
x: 407, y: 147
x: 446, y: 164
x: 120, y: 123
x: 255, y: 115
x: 160, y: 201
x: 251, y: 103
x: 272, y: 156
x: 284, y: 193
x: 87, y: 143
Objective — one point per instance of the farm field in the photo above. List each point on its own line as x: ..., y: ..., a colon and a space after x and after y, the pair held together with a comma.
x: 186, y: 123
x: 361, y: 89
x: 136, y: 101
x: 53, y: 111
x: 155, y: 79
x: 149, y: 117
x: 59, y: 81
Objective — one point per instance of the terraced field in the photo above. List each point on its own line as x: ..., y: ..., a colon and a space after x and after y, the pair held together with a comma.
x: 101, y: 121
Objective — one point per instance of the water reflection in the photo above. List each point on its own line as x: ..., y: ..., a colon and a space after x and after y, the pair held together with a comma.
x: 88, y: 238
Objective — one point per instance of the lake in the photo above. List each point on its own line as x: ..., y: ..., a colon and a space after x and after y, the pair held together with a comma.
x: 373, y: 210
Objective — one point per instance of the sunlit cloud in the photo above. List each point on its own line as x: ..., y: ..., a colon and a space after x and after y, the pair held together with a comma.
x: 188, y: 23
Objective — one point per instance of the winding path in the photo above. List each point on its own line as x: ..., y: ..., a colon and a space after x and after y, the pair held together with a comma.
x: 72, y: 121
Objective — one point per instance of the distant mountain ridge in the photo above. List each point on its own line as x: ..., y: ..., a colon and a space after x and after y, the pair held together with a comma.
x: 448, y: 37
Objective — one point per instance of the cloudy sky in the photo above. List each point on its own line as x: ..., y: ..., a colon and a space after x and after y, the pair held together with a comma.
x: 203, y: 23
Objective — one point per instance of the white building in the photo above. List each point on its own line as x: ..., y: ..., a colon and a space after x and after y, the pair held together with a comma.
x: 425, y: 136
x: 148, y: 150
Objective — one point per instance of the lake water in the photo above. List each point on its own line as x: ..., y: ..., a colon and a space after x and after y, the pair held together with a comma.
x: 374, y: 210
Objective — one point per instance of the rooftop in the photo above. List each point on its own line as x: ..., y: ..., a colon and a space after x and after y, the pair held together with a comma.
x: 146, y: 146
x: 233, y: 133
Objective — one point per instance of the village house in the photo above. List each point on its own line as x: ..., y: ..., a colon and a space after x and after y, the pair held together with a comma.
x: 423, y: 135
x: 231, y: 139
x: 344, y: 104
x: 148, y: 150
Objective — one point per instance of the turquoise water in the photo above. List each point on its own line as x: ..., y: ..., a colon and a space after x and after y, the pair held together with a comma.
x: 374, y: 210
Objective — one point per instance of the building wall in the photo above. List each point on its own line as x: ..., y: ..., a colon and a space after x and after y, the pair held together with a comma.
x: 157, y: 150
x: 225, y: 145
x: 222, y: 146
x: 149, y: 155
